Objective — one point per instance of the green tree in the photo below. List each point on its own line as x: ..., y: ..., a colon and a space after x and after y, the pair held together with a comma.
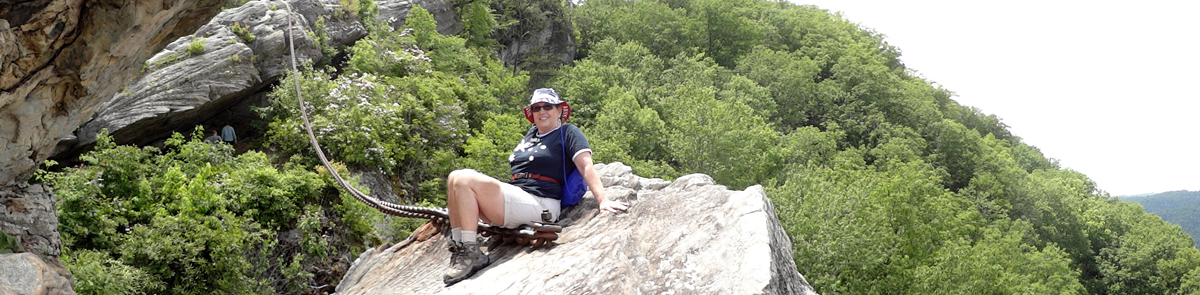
x: 587, y: 84
x: 1178, y: 207
x: 998, y: 263
x: 194, y: 219
x: 666, y: 31
x: 791, y: 80
x: 406, y: 104
x: 1148, y: 255
x: 620, y: 133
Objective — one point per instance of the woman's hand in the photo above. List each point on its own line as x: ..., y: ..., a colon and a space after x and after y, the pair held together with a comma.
x: 613, y: 206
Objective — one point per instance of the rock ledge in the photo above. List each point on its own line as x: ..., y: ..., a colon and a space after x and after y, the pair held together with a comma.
x: 684, y: 237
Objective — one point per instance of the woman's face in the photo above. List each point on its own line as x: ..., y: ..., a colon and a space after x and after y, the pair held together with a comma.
x: 546, y: 115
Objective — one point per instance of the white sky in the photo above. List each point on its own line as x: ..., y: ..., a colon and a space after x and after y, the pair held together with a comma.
x: 1109, y: 89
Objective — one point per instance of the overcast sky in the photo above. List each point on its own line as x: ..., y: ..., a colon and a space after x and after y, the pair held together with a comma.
x: 1109, y: 89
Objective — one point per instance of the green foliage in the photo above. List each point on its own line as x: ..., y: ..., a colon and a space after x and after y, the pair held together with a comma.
x: 194, y: 219
x: 97, y: 272
x: 664, y: 30
x: 10, y: 244
x: 884, y: 183
x: 488, y: 153
x: 790, y: 78
x: 1191, y: 283
x: 196, y: 46
x: 433, y: 92
x: 1177, y: 207
x: 620, y: 130
x: 361, y: 8
x: 479, y: 22
x: 167, y: 60
x: 997, y: 263
x: 243, y: 31
x: 1145, y: 255
x: 859, y: 231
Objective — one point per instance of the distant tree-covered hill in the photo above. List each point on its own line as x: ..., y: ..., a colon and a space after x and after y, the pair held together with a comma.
x: 1178, y: 207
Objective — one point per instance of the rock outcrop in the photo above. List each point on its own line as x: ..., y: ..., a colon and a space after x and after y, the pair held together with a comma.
x: 245, y: 50
x: 27, y: 212
x: 26, y: 273
x: 240, y: 51
x: 552, y: 41
x: 689, y: 236
x: 59, y: 60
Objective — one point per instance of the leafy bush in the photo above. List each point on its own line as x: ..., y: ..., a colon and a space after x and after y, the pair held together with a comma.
x: 406, y: 104
x: 98, y: 273
x: 196, y: 46
x: 194, y: 219
x: 243, y: 31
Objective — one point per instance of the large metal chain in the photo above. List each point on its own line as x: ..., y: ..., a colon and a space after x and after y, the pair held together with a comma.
x: 436, y: 214
x: 536, y: 234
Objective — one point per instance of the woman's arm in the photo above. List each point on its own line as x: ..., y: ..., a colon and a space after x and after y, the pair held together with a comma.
x: 584, y: 163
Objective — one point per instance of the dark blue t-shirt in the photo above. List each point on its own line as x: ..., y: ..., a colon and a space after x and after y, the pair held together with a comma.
x: 543, y: 155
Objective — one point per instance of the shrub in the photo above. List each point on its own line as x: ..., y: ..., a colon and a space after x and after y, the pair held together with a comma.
x: 244, y: 32
x: 193, y: 218
x: 98, y: 273
x: 196, y: 47
x: 433, y: 92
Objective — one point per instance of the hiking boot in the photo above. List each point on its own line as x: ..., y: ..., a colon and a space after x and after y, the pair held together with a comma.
x: 465, y: 259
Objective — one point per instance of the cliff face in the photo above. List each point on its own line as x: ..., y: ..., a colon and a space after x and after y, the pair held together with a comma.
x: 61, y: 59
x: 684, y: 237
x: 245, y: 51
x: 58, y: 61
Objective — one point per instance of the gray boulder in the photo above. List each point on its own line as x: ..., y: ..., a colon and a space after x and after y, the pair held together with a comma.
x: 689, y: 236
x: 26, y: 273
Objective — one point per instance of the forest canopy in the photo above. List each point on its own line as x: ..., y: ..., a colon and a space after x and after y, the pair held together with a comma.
x: 884, y: 183
x: 1178, y: 207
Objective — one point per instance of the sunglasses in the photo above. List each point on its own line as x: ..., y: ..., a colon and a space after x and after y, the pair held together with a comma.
x: 544, y: 106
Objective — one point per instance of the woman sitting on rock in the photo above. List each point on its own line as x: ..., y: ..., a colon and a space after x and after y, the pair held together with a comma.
x: 537, y: 164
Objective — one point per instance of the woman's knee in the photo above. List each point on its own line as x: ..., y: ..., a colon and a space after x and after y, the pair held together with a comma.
x: 463, y: 178
x: 458, y: 176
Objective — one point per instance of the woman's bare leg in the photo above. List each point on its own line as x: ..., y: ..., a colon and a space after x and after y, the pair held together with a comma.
x: 472, y: 196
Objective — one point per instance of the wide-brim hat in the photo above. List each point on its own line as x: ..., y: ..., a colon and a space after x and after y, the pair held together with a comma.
x: 547, y: 95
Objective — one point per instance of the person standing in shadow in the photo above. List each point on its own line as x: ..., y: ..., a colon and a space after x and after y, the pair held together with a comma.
x: 228, y: 135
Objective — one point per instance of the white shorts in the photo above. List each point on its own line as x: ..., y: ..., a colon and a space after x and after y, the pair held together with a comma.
x: 521, y: 207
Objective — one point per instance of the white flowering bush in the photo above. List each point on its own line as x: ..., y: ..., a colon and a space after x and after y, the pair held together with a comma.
x: 405, y: 103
